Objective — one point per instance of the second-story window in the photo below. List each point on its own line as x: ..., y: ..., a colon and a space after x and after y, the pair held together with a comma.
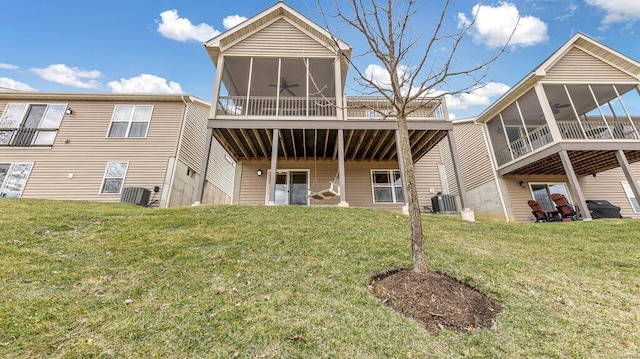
x: 130, y: 121
x: 24, y: 124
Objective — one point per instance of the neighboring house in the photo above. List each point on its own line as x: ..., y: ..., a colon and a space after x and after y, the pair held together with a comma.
x: 282, y: 114
x: 572, y: 126
x: 90, y: 146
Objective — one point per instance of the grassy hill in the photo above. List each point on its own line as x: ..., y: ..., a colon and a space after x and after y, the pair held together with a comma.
x: 84, y: 280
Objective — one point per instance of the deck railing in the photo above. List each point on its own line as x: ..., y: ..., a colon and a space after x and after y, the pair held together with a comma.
x: 26, y: 137
x: 358, y: 108
x: 537, y: 138
x: 598, y: 129
x: 379, y: 108
x: 273, y: 106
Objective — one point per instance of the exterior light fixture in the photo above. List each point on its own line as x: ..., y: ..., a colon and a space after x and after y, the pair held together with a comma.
x: 68, y: 111
x: 259, y: 172
x: 521, y: 183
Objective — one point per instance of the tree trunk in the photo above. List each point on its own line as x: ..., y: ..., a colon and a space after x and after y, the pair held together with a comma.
x: 411, y: 198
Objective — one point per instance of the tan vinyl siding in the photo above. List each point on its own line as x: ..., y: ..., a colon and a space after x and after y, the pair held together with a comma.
x: 82, y: 149
x: 279, y: 39
x: 194, y: 135
x: 427, y: 176
x: 447, y: 161
x: 607, y: 185
x: 576, y: 63
x: 519, y: 196
x: 357, y: 177
x: 220, y: 171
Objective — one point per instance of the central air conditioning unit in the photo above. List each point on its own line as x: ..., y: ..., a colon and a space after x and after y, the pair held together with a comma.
x: 444, y: 203
x: 135, y: 195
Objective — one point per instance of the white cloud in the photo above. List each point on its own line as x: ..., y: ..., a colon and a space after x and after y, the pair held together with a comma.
x: 380, y: 76
x: 568, y: 12
x: 14, y: 85
x: 69, y: 76
x: 145, y: 83
x: 480, y: 96
x: 617, y: 11
x: 232, y: 20
x: 494, y: 25
x: 8, y: 66
x: 179, y: 28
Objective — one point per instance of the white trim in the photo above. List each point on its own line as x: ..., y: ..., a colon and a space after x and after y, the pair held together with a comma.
x: 130, y: 120
x: 391, y: 185
x: 124, y: 176
x: 11, y: 165
x: 288, y: 172
x: 548, y: 184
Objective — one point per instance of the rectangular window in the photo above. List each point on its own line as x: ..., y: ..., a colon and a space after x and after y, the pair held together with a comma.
x: 387, y: 186
x: 26, y: 125
x: 632, y: 198
x: 542, y: 193
x: 130, y: 121
x: 13, y: 178
x: 114, y: 177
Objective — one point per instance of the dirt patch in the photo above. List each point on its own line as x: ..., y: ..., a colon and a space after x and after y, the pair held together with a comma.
x: 436, y: 300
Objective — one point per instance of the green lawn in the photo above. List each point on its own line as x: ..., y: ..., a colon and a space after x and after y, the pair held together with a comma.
x: 85, y: 280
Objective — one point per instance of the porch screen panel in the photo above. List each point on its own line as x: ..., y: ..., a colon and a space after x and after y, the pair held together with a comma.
x: 264, y: 87
x: 608, y: 101
x: 292, y: 88
x: 534, y: 120
x: 588, y: 112
x: 630, y: 99
x: 516, y: 132
x: 235, y: 85
x: 563, y: 112
x: 322, y: 87
x: 498, y: 141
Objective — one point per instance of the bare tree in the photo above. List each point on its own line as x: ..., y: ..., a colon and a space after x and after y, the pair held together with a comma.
x: 417, y: 67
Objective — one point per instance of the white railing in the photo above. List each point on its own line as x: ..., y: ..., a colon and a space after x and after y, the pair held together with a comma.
x: 538, y: 138
x: 359, y: 108
x: 273, y: 106
x: 598, y: 129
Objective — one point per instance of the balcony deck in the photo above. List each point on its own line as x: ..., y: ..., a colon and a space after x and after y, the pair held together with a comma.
x: 357, y: 108
x: 590, y: 130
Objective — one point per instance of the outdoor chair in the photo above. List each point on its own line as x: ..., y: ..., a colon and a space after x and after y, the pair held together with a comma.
x: 542, y: 215
x: 566, y: 209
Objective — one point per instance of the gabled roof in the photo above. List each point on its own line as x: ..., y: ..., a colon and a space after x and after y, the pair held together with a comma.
x: 279, y: 10
x: 606, y: 54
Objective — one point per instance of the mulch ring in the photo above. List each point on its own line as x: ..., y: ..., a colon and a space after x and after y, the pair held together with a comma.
x: 435, y: 300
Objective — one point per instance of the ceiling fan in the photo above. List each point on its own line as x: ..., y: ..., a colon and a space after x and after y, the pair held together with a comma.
x: 285, y: 86
x: 555, y: 107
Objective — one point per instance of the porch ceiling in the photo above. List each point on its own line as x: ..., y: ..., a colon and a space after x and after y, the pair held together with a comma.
x: 302, y: 144
x: 584, y: 163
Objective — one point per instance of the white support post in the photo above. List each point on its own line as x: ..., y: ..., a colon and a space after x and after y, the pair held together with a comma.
x: 573, y: 180
x: 204, y: 167
x: 628, y: 173
x: 274, y: 167
x: 343, y: 195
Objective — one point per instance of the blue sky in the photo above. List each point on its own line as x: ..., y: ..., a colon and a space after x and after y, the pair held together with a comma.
x: 156, y: 45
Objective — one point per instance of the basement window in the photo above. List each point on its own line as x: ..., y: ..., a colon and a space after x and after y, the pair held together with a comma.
x: 386, y: 186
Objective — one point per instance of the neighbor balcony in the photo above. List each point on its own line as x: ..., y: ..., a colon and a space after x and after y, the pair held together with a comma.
x: 580, y: 113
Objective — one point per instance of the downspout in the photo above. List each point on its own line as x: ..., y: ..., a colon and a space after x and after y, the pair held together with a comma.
x: 493, y: 170
x: 185, y: 113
